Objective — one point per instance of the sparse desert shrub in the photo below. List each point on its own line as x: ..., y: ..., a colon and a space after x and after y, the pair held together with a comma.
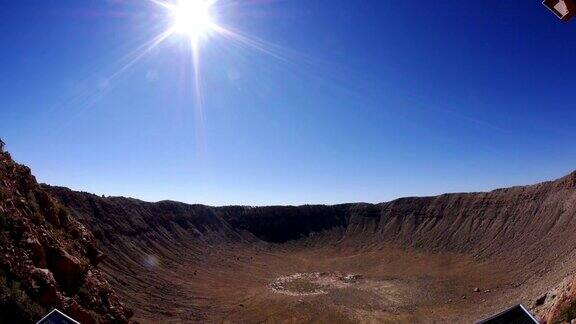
x: 15, y: 288
x: 15, y: 305
x: 3, y: 281
x: 83, y: 293
x: 34, y: 208
x: 3, y: 220
x: 62, y: 211
x: 37, y: 218
x: 569, y: 313
x: 63, y: 214
x: 33, y: 203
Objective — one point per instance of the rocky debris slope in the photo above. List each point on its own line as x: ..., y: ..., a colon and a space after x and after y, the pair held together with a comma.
x: 47, y: 258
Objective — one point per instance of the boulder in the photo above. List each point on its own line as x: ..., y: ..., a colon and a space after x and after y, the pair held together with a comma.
x: 95, y: 255
x: 68, y: 270
x: 45, y: 286
x: 74, y: 310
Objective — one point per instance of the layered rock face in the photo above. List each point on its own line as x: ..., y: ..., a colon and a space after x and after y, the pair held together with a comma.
x: 47, y: 258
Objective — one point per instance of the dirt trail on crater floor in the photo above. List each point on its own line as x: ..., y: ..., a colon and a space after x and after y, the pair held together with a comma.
x: 450, y: 258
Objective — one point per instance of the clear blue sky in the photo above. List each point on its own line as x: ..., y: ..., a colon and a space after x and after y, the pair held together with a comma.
x: 361, y: 101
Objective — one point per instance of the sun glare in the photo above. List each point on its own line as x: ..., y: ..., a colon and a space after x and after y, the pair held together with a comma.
x: 195, y: 20
x: 192, y: 18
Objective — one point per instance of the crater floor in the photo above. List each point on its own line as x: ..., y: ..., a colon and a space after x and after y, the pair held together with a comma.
x: 454, y: 258
x: 317, y: 284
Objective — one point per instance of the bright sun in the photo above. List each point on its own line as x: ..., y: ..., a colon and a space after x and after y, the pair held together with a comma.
x: 192, y: 18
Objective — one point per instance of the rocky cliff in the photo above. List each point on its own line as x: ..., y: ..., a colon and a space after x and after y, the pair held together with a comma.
x: 47, y: 258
